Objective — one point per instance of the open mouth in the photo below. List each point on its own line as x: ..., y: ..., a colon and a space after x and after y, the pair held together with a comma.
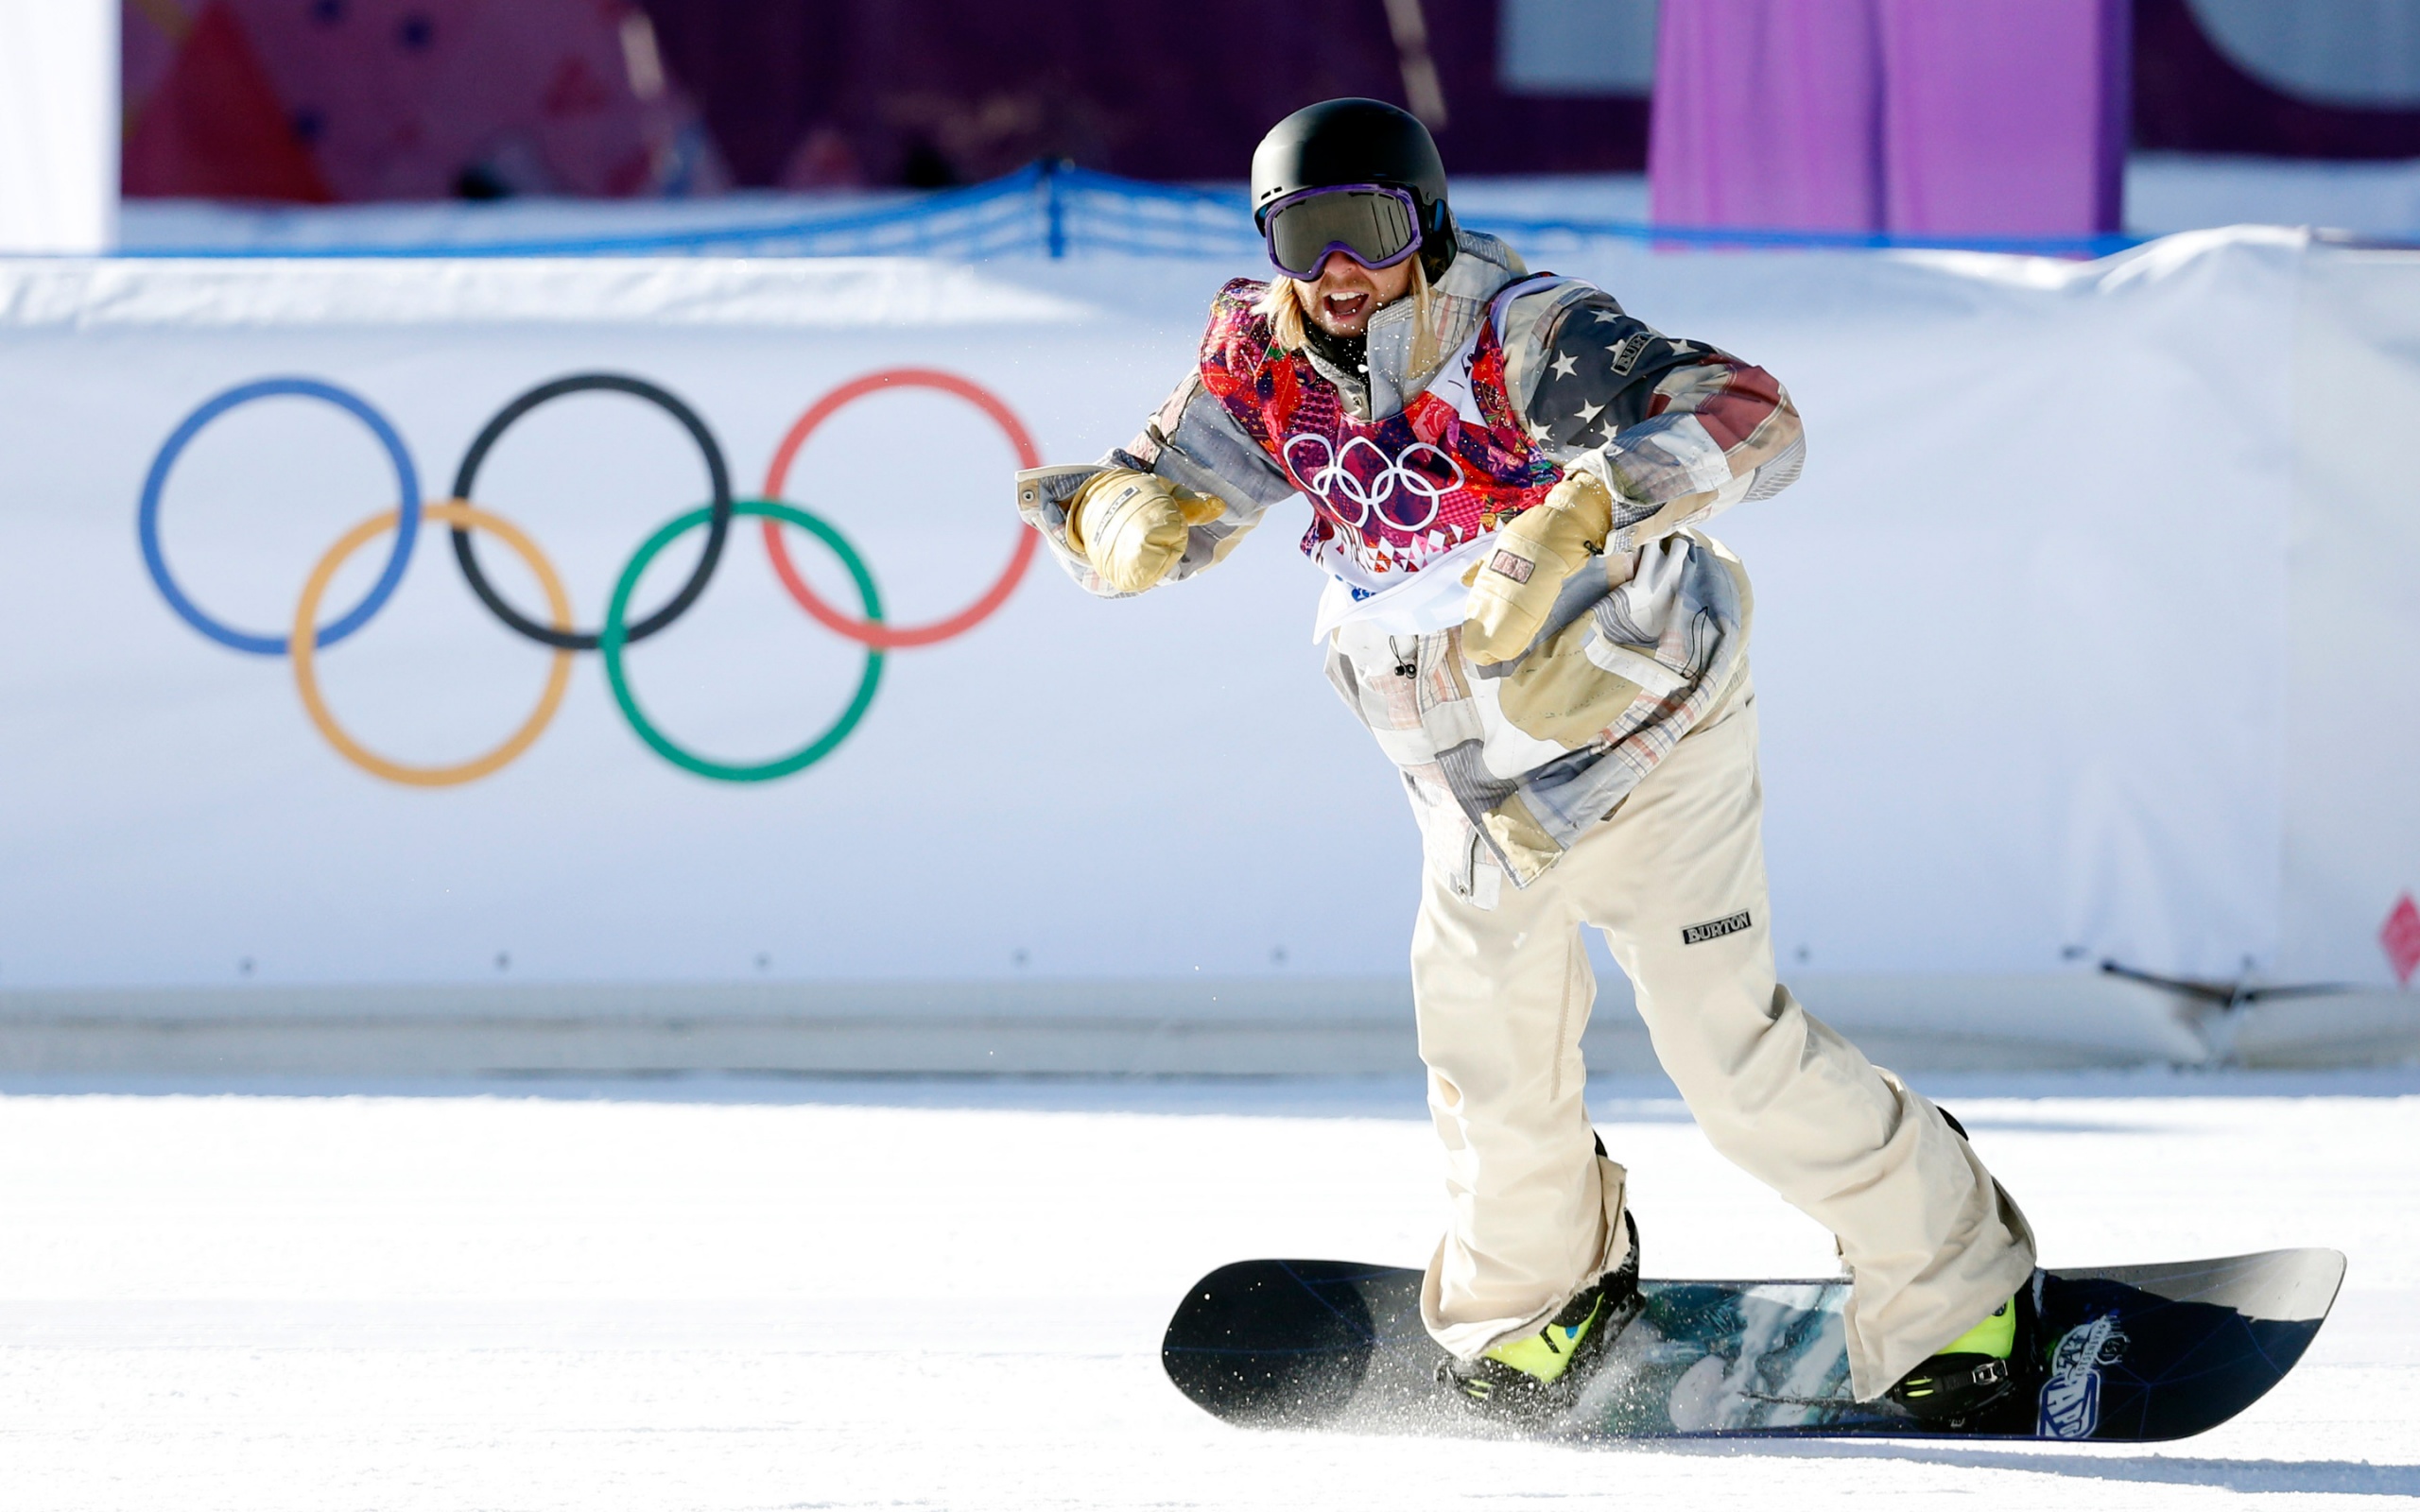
x: 1344, y: 307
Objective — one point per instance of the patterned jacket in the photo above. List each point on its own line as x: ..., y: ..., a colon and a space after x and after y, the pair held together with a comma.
x: 1473, y: 406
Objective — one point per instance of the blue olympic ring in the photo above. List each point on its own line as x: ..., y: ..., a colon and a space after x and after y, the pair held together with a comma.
x: 147, y: 519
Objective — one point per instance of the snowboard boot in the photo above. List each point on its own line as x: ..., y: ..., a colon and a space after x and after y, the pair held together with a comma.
x: 1982, y: 1374
x: 1540, y: 1374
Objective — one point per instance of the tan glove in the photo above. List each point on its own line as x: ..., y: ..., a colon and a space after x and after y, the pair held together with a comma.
x: 1132, y: 526
x: 1513, y: 589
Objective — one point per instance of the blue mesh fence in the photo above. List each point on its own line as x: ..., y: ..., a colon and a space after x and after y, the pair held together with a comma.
x: 1055, y: 209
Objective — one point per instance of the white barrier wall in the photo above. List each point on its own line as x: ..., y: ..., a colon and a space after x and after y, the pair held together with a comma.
x: 2350, y: 702
x: 59, y: 125
x: 2033, y: 653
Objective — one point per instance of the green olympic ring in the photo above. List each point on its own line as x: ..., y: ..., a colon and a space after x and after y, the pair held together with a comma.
x: 615, y: 638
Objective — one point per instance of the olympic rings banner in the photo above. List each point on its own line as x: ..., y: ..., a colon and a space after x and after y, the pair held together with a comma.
x: 370, y: 622
x: 307, y: 637
x: 673, y: 623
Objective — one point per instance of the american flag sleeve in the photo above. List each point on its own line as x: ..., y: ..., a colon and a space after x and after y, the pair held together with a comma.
x: 1678, y: 430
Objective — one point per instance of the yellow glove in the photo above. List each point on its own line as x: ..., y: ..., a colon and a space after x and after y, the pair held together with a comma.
x: 1514, y: 587
x: 1132, y: 526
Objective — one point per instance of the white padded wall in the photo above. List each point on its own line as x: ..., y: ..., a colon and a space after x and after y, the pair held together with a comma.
x: 59, y: 125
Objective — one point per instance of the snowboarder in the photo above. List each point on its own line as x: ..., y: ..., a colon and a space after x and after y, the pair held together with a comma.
x: 1508, y: 473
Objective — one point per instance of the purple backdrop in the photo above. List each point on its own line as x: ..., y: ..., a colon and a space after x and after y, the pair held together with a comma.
x: 1986, y: 118
x: 1768, y: 113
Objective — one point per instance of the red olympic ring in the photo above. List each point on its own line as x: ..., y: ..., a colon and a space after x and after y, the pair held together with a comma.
x: 865, y: 632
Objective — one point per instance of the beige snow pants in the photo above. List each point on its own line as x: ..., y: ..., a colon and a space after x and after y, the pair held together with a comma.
x: 1675, y: 877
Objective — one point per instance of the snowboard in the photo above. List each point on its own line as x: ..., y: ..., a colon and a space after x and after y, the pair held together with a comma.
x: 2131, y: 1353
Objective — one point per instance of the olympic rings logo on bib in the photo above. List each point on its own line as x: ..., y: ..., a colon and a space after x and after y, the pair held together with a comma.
x: 1333, y: 479
x: 306, y: 637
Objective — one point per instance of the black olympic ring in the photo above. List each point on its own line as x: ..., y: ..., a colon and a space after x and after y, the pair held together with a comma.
x: 718, y: 518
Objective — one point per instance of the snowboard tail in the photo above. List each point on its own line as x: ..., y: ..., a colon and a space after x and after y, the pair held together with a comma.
x: 2131, y: 1353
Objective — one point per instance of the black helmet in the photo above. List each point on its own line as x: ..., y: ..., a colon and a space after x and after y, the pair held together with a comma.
x: 1357, y: 141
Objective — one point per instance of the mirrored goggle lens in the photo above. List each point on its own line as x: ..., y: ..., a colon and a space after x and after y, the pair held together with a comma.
x: 1371, y: 226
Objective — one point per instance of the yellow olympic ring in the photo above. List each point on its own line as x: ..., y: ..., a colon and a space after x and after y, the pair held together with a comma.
x: 463, y: 516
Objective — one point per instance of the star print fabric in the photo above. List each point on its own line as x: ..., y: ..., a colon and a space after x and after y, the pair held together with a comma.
x: 1669, y: 425
x: 1603, y: 367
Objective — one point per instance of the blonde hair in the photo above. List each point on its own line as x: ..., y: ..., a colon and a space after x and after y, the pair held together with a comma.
x: 1280, y: 306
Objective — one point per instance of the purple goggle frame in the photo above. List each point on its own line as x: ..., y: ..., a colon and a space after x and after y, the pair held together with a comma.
x: 1361, y: 255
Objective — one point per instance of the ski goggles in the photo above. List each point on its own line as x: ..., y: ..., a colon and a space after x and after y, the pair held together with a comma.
x: 1376, y: 225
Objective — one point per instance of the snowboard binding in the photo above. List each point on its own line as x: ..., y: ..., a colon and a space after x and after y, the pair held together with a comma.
x: 1985, y: 1381
x: 1538, y: 1376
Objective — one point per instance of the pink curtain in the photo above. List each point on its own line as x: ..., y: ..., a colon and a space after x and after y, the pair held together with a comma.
x: 1927, y: 118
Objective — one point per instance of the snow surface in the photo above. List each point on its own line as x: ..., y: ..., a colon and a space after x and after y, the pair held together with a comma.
x: 727, y: 1294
